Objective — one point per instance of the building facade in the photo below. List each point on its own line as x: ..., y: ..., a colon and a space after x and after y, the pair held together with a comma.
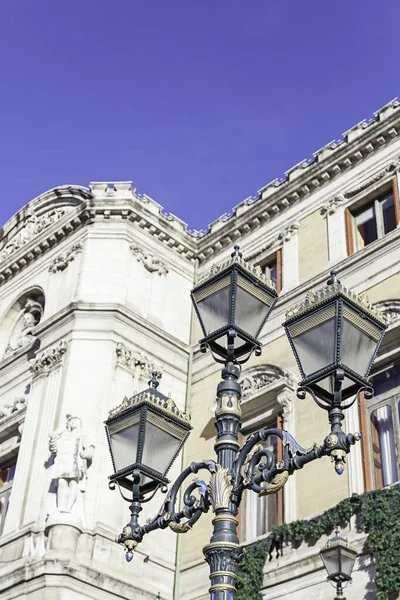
x: 94, y: 296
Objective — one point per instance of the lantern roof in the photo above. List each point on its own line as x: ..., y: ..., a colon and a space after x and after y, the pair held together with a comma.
x: 152, y: 396
x: 236, y: 258
x: 334, y: 289
x: 338, y: 541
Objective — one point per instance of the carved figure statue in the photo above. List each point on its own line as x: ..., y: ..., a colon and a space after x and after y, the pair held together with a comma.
x: 74, y: 452
x: 22, y: 334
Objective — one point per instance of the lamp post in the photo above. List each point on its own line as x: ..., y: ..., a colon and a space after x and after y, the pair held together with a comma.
x: 338, y: 557
x: 233, y: 303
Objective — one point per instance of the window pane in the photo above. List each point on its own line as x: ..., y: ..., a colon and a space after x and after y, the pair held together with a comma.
x: 214, y: 310
x: 389, y: 215
x: 270, y: 271
x: 366, y: 227
x: 387, y: 380
x: 357, y: 348
x: 316, y: 347
x: 384, y: 446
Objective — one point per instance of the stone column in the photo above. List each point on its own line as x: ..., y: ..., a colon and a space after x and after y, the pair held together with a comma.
x: 290, y: 257
x: 335, y: 217
x: 354, y: 458
x: 285, y: 399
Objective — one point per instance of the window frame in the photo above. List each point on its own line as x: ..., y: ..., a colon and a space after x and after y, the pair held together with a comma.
x: 389, y: 398
x: 275, y: 256
x: 374, y: 196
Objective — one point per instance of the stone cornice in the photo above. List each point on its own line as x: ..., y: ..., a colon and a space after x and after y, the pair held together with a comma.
x: 104, y: 201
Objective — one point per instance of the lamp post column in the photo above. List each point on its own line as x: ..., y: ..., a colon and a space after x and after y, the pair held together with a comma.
x: 223, y: 552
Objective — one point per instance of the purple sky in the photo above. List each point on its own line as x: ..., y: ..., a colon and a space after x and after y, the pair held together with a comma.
x: 199, y: 103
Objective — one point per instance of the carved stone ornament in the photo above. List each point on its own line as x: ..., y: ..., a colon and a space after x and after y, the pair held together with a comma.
x: 19, y: 404
x: 393, y: 166
x: 285, y: 399
x: 332, y: 205
x: 48, y: 360
x: 220, y: 488
x: 287, y: 234
x: 390, y: 310
x: 133, y: 359
x: 257, y: 378
x: 62, y: 261
x: 149, y: 261
x: 22, y: 334
x: 73, y: 452
x: 32, y: 227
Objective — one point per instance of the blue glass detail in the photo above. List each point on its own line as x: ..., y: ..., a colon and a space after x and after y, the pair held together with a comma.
x: 129, y: 556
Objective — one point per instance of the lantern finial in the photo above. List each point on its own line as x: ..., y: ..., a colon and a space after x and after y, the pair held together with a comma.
x: 236, y: 252
x: 154, y: 383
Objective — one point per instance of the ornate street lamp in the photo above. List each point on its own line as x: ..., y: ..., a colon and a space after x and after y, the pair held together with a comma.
x: 335, y: 335
x: 233, y: 302
x: 338, y: 557
x: 145, y: 434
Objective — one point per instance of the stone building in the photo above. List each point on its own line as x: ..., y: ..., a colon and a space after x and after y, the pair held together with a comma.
x: 94, y: 296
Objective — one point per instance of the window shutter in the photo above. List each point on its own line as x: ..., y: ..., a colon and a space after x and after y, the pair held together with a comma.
x: 349, y: 232
x: 365, y: 448
x: 396, y: 199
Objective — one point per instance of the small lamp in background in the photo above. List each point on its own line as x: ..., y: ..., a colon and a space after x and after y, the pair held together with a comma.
x: 338, y: 557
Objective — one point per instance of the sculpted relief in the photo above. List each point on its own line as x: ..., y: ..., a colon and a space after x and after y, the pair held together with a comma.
x: 33, y: 226
x: 22, y: 332
x: 73, y: 452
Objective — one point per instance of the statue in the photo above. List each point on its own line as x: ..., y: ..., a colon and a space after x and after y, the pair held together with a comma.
x: 22, y: 335
x: 73, y: 454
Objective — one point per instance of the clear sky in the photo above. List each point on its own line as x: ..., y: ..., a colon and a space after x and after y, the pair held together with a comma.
x: 199, y: 103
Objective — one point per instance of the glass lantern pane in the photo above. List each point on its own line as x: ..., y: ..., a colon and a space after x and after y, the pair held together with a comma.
x: 331, y: 560
x: 347, y: 560
x: 124, y: 446
x: 214, y: 310
x: 250, y: 312
x: 159, y: 449
x: 315, y: 347
x: 357, y: 348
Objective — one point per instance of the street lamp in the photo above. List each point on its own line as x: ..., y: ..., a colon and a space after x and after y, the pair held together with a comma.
x: 335, y: 335
x: 233, y: 303
x: 338, y: 557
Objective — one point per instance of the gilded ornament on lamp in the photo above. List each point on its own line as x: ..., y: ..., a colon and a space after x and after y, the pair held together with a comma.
x: 168, y: 406
x: 179, y: 527
x: 331, y: 291
x: 220, y: 488
x: 276, y: 484
x: 331, y: 440
x: 218, y: 268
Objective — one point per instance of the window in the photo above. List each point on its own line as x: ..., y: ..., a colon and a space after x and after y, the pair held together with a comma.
x: 385, y: 425
x: 271, y: 267
x: 372, y: 220
x: 7, y: 472
x: 260, y: 513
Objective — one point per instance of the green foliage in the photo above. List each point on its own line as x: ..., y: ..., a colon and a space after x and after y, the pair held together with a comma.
x: 379, y: 517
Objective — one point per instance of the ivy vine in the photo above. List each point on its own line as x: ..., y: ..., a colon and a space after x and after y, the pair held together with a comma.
x: 379, y: 517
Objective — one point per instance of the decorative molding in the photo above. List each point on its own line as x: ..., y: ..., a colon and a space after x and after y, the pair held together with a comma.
x: 285, y: 399
x: 19, y: 404
x: 287, y: 234
x: 48, y: 360
x: 393, y: 166
x: 149, y: 261
x: 32, y: 227
x: 332, y: 205
x: 62, y: 261
x: 254, y: 380
x: 390, y: 310
x: 133, y: 359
